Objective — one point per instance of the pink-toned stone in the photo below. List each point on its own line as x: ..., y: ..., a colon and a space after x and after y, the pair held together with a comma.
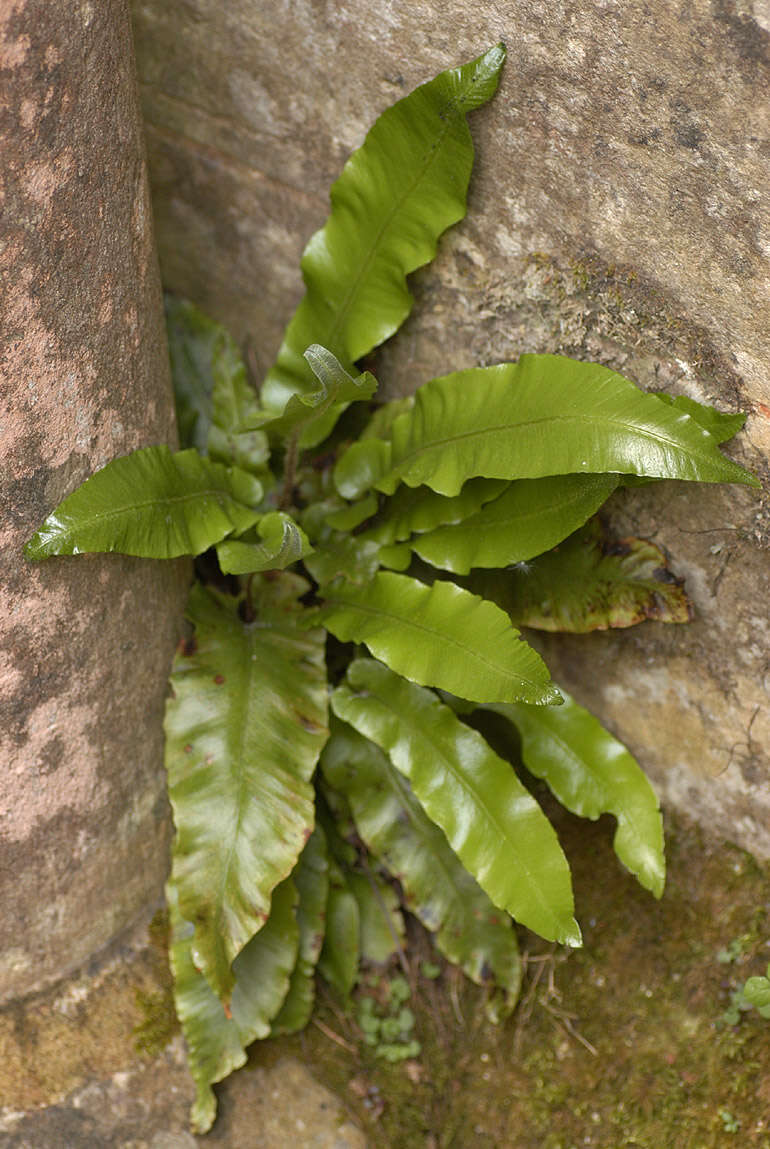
x: 84, y: 643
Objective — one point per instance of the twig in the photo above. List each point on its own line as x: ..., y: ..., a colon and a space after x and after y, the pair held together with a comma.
x: 454, y: 997
x: 333, y: 1036
x: 524, y: 1012
x: 323, y: 991
x: 564, y: 1021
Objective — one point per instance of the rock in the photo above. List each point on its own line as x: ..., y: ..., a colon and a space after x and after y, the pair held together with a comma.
x: 616, y: 214
x: 87, y: 643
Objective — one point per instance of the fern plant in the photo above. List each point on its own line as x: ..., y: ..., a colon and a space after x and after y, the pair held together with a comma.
x: 320, y: 788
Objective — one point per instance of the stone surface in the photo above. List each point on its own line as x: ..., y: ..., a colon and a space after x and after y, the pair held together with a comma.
x: 85, y: 643
x: 97, y: 1060
x: 617, y: 213
x: 626, y: 1041
x: 280, y: 1107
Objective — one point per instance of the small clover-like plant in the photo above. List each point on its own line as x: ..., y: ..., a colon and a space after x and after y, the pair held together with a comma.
x: 757, y: 993
x: 318, y: 789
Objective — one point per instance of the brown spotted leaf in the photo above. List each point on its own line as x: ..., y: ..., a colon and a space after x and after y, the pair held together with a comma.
x: 244, y: 728
x: 591, y: 581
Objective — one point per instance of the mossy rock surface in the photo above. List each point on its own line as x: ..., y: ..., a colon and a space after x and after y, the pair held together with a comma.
x: 635, y: 1040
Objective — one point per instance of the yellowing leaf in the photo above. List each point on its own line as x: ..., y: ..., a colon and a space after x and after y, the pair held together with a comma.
x: 216, y: 1038
x: 589, y: 582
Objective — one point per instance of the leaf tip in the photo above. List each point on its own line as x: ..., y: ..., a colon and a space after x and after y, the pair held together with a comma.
x: 656, y: 881
x: 572, y: 936
x: 33, y: 549
x: 491, y: 61
x: 204, y: 1110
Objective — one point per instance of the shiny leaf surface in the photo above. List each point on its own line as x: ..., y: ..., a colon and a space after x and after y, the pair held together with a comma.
x: 151, y: 503
x: 722, y: 425
x: 589, y: 582
x: 283, y: 543
x: 532, y: 516
x: 419, y: 509
x: 470, y: 931
x: 544, y: 415
x: 345, y: 557
x: 491, y: 821
x: 308, y: 412
x: 349, y: 517
x: 438, y: 635
x: 397, y: 193
x: 213, y: 1047
x: 363, y: 466
x: 263, y: 968
x: 244, y: 729
x: 592, y: 773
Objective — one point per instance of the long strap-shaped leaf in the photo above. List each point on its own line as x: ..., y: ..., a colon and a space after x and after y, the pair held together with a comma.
x: 382, y: 923
x: 532, y: 516
x: 723, y: 425
x: 439, y: 635
x: 311, y: 878
x: 341, y: 951
x: 151, y: 503
x: 470, y: 930
x: 244, y: 729
x: 193, y: 341
x: 591, y: 773
x: 403, y: 187
x: 545, y: 415
x: 216, y: 1039
x: 491, y: 822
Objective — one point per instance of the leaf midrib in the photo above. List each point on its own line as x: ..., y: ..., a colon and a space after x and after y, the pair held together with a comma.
x: 398, y: 618
x: 347, y: 303
x: 469, y: 786
x: 620, y: 811
x: 506, y: 428
x: 161, y: 501
x: 397, y: 785
x: 245, y: 692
